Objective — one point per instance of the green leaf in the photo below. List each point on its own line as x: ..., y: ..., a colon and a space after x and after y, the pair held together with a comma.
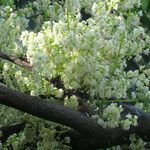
x: 145, y: 4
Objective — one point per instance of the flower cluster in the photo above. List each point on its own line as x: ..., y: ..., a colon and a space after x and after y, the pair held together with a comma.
x: 131, y: 120
x: 71, y: 102
x: 136, y: 143
x: 111, y: 118
x: 11, y: 25
x: 90, y: 55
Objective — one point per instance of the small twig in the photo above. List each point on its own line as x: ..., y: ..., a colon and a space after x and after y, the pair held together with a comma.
x: 17, y: 61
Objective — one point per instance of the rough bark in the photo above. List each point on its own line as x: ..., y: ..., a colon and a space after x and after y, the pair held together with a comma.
x: 84, y: 125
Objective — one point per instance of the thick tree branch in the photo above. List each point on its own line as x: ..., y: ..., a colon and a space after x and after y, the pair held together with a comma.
x: 83, y: 106
x: 43, y: 109
x: 17, y: 61
x: 85, y: 125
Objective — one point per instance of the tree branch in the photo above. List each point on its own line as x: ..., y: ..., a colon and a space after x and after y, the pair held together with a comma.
x: 85, y: 125
x: 83, y: 106
x: 17, y: 61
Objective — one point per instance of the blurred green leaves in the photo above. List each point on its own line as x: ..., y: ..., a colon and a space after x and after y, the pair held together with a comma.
x: 146, y: 5
x: 7, y: 2
x: 145, y: 19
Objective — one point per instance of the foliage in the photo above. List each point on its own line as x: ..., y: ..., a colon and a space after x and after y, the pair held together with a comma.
x: 90, y: 55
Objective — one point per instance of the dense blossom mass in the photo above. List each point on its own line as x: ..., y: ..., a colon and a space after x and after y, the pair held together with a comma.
x: 91, y: 55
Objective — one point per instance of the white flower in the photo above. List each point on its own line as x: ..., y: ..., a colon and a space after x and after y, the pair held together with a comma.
x: 6, y: 66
